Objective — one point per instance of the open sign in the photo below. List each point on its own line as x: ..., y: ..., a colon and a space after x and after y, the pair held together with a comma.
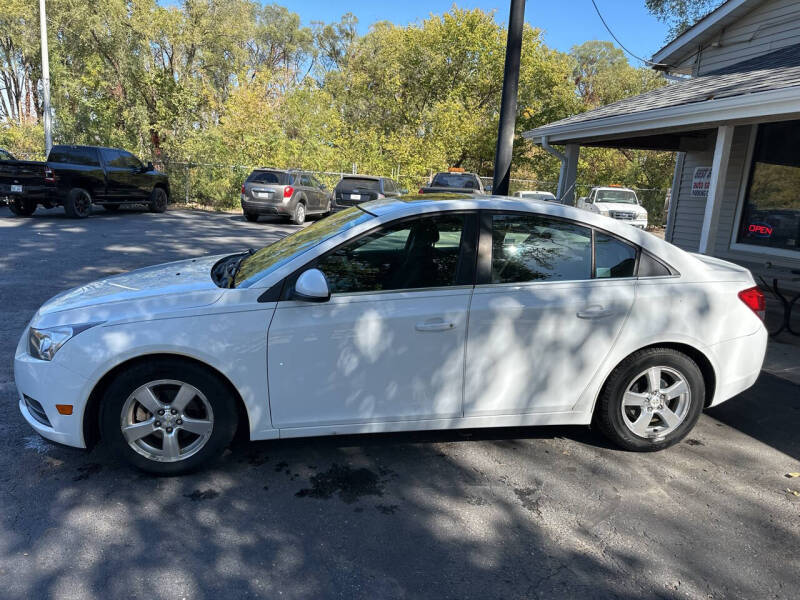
x: 760, y: 229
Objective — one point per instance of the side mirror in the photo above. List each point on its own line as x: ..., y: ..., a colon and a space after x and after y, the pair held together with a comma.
x: 312, y: 286
x: 149, y: 167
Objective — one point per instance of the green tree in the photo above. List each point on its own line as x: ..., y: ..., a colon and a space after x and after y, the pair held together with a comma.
x: 680, y: 14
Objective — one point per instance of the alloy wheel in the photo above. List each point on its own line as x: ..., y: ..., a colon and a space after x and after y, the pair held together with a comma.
x: 656, y: 402
x: 83, y: 204
x: 167, y: 420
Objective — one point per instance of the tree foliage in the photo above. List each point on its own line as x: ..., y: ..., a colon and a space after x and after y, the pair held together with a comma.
x: 680, y: 14
x: 228, y: 84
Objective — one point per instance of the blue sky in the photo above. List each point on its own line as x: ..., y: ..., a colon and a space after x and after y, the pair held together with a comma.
x: 565, y: 22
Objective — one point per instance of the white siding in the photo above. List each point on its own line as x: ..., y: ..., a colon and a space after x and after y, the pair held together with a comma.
x: 689, y: 210
x: 771, y: 26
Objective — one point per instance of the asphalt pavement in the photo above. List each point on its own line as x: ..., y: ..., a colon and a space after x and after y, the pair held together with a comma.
x: 550, y: 512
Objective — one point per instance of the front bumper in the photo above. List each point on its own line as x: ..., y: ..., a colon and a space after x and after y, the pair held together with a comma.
x: 49, y: 384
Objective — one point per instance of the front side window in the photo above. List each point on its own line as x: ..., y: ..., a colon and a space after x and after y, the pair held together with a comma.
x: 771, y: 213
x: 535, y: 248
x: 416, y: 253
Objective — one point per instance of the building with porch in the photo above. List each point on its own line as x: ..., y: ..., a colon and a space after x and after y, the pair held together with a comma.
x: 735, y: 125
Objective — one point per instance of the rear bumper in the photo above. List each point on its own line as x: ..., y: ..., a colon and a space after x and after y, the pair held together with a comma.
x: 739, y: 364
x: 260, y: 207
x: 38, y: 193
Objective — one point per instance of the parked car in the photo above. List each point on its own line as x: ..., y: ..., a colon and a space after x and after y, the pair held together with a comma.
x: 454, y: 181
x: 289, y: 192
x: 78, y: 177
x: 22, y: 182
x: 535, y: 195
x: 616, y: 202
x: 456, y: 312
x: 355, y: 189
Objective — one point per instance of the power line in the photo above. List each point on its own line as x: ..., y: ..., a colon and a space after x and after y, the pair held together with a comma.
x: 644, y: 60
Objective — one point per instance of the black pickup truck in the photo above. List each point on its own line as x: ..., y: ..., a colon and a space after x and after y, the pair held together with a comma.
x: 454, y: 182
x: 77, y: 177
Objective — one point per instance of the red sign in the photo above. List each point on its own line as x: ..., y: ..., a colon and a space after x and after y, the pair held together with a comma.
x: 760, y: 229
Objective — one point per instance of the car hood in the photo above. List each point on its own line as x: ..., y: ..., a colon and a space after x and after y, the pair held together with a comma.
x: 170, y: 286
x: 622, y: 207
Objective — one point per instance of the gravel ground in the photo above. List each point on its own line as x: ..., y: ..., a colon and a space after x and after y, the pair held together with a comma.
x: 502, y: 513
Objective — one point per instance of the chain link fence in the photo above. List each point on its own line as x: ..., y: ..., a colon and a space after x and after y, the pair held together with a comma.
x: 217, y: 186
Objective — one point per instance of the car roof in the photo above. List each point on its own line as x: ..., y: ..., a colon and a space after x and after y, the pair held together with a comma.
x: 355, y: 176
x: 608, y: 187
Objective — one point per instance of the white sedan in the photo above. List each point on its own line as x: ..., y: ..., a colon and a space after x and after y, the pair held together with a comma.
x: 399, y: 314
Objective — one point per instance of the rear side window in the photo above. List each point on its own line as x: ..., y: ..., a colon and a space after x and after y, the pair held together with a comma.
x: 351, y: 184
x: 268, y: 177
x: 75, y: 155
x: 534, y: 248
x: 651, y: 267
x: 613, y: 257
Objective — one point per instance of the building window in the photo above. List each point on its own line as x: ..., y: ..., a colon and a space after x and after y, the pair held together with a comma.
x: 771, y: 213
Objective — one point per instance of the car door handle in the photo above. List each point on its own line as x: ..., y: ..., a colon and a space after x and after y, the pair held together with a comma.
x: 435, y: 325
x: 595, y: 312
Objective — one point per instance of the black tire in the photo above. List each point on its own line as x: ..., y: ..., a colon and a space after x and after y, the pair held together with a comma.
x: 111, y: 207
x: 22, y: 207
x: 158, y: 200
x: 78, y: 204
x: 217, y: 395
x: 250, y: 216
x: 299, y: 213
x: 608, y: 414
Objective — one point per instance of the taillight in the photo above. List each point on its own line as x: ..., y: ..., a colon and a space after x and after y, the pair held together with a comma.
x: 754, y: 299
x: 242, y: 189
x: 288, y: 191
x: 49, y: 175
x: 420, y: 191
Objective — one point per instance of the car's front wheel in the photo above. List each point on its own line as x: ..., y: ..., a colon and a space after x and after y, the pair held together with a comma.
x: 167, y: 418
x: 651, y: 400
x: 158, y: 200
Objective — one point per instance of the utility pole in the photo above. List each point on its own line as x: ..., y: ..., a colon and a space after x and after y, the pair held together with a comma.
x: 508, y: 104
x: 48, y: 136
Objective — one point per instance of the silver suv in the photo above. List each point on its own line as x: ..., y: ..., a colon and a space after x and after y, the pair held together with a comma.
x: 289, y: 192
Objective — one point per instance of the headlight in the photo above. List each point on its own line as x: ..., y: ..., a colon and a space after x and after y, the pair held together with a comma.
x: 44, y: 343
x: 603, y: 212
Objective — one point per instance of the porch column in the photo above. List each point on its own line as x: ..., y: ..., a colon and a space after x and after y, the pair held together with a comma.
x: 716, y: 188
x: 568, y: 175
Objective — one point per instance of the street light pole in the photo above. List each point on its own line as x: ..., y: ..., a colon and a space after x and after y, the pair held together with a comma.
x: 508, y: 104
x: 48, y: 136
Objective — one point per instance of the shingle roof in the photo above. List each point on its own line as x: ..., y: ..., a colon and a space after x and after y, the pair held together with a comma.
x: 772, y: 71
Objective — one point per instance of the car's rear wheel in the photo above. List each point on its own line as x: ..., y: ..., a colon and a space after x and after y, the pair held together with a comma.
x: 651, y: 400
x: 158, y: 200
x: 299, y: 214
x: 168, y: 419
x: 22, y: 207
x: 251, y: 216
x: 78, y: 204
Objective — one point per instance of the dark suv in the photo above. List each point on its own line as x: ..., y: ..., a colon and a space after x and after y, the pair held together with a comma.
x: 355, y: 189
x: 291, y: 192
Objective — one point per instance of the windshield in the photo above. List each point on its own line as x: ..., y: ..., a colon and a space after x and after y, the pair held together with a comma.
x: 456, y: 180
x: 349, y: 184
x: 273, y: 256
x: 4, y: 155
x: 621, y: 196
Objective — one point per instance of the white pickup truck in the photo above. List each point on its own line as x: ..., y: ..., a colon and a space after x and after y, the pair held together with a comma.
x: 616, y: 202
